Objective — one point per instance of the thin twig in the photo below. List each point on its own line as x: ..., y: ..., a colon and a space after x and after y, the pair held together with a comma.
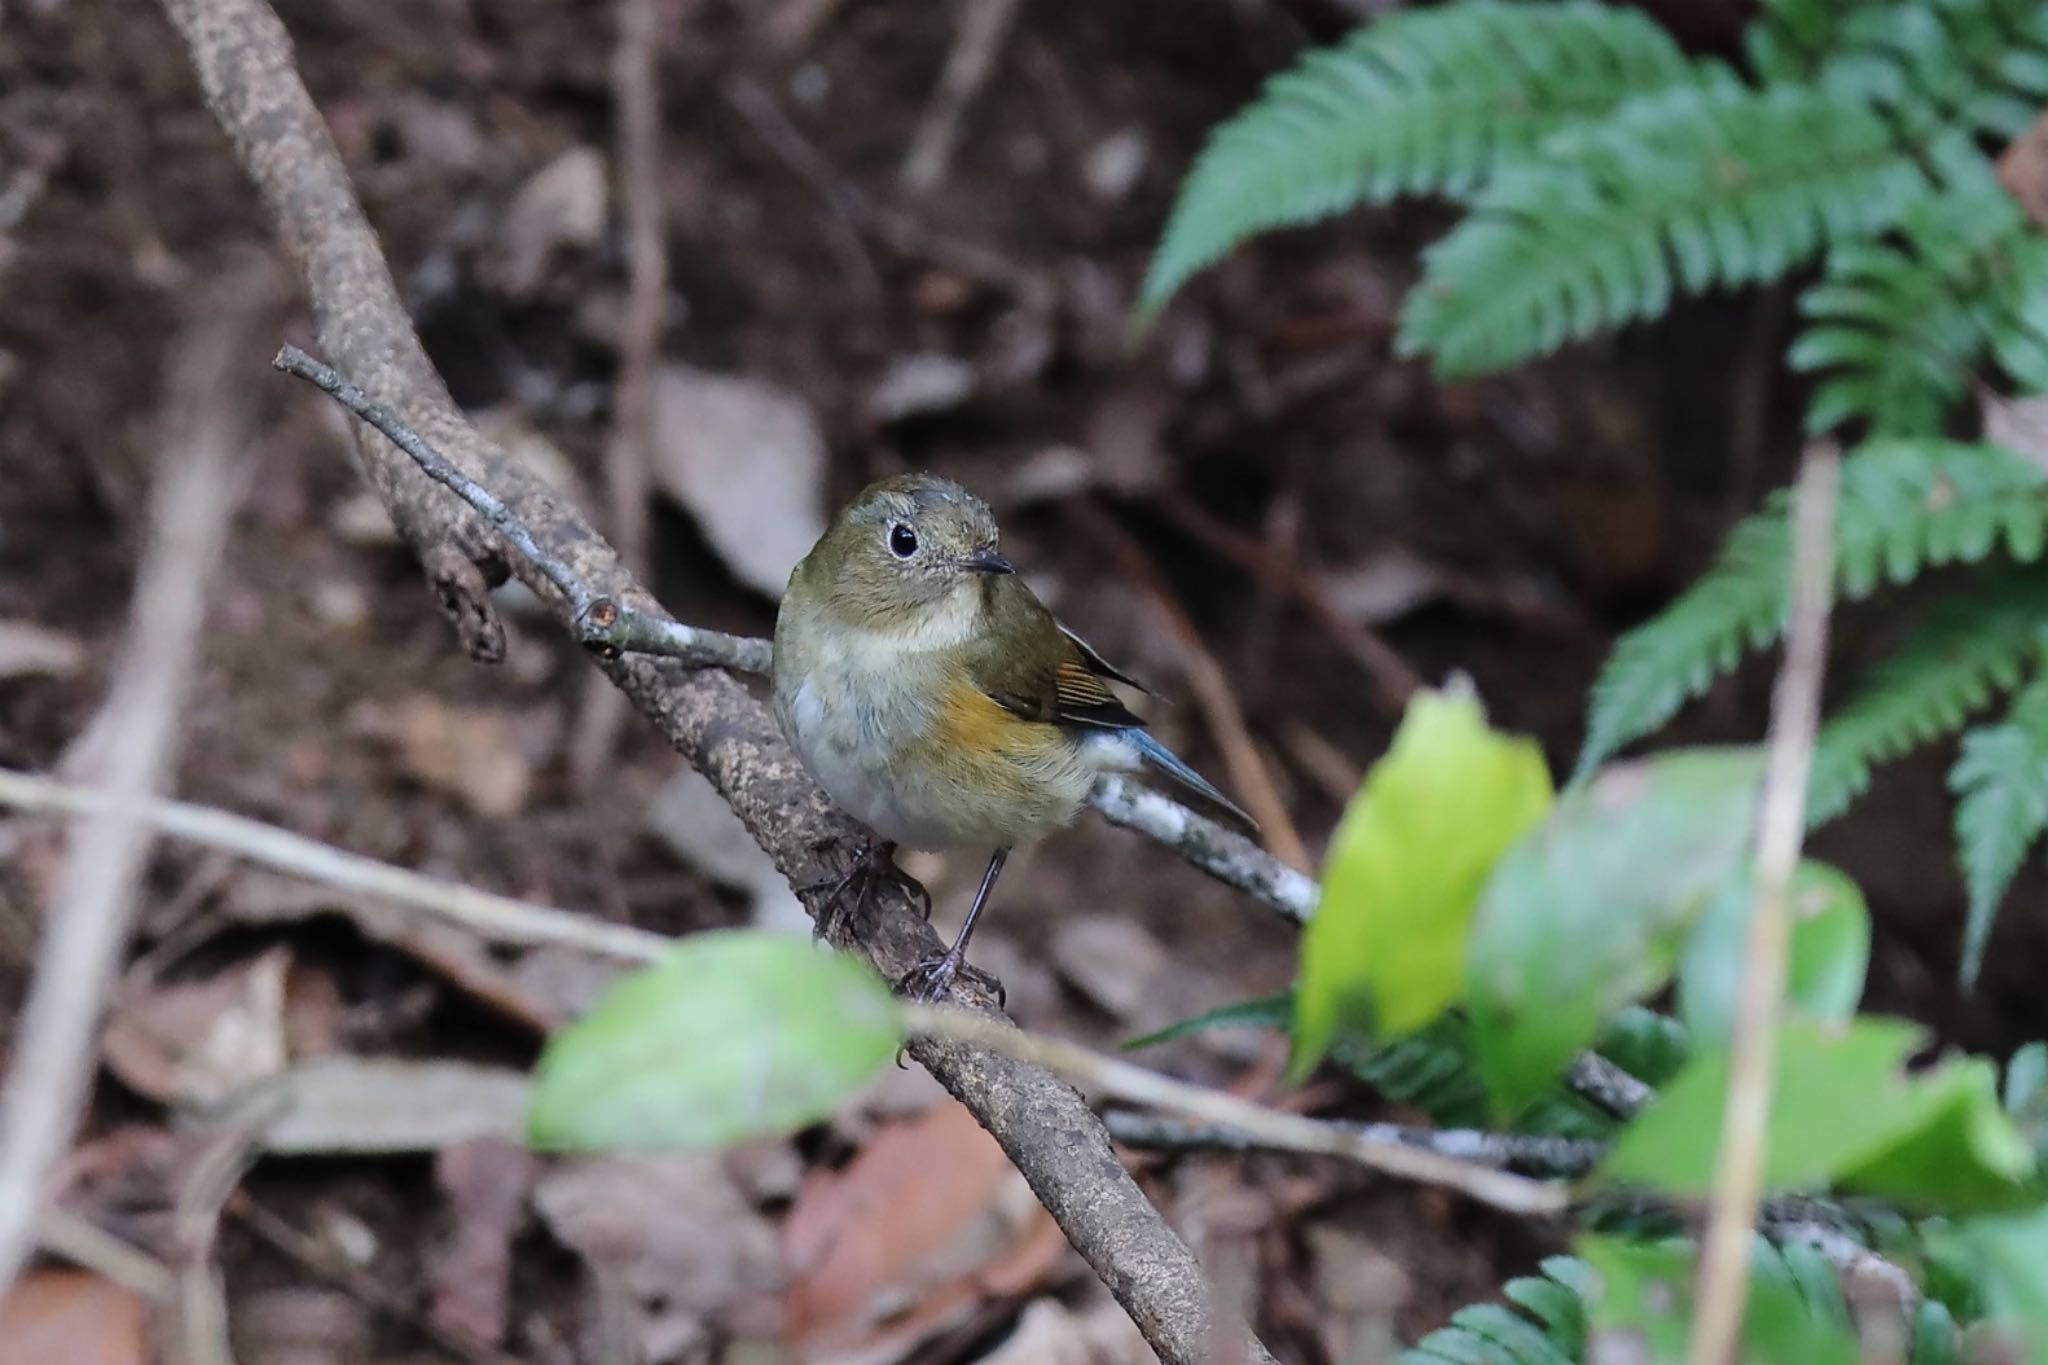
x: 629, y: 452
x: 1248, y: 771
x: 600, y: 621
x: 1117, y: 1079
x: 202, y: 1295
x: 316, y: 1258
x: 1393, y: 680
x: 94, y: 898
x: 899, y: 231
x: 499, y: 919
x: 982, y: 29
x: 1223, y: 853
x: 63, y: 1233
x: 1593, y: 1077
x: 1524, y: 1152
x: 1781, y: 824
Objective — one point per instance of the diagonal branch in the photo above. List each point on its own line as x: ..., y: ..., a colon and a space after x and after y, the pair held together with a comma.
x: 243, y: 57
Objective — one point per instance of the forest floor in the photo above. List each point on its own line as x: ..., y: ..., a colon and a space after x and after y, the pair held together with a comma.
x: 843, y: 327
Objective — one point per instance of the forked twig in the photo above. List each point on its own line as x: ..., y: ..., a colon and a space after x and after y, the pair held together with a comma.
x: 600, y: 622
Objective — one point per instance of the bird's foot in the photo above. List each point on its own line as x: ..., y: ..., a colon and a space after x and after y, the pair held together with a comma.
x: 929, y: 981
x: 874, y: 864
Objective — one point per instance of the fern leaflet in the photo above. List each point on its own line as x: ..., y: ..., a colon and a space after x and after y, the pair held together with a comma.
x: 1796, y: 1295
x: 1900, y: 340
x: 1904, y: 324
x: 1968, y: 66
x: 1970, y: 648
x: 1904, y: 506
x: 2001, y: 784
x: 1421, y: 101
x: 1791, y: 39
x: 1680, y: 191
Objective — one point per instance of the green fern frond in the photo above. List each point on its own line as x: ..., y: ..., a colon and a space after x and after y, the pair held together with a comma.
x: 1904, y: 324
x: 1422, y: 101
x: 1680, y: 191
x: 1904, y: 506
x: 1556, y: 1317
x: 1901, y: 343
x: 1790, y: 40
x: 1968, y: 66
x: 1970, y: 648
x: 2001, y: 785
x: 1550, y: 1330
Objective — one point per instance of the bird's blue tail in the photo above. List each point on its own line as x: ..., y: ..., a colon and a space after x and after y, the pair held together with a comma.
x: 1158, y: 756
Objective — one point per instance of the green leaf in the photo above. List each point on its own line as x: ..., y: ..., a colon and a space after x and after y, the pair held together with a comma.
x: 1829, y: 953
x: 2001, y: 785
x: 1646, y: 1291
x: 1415, y: 102
x: 1935, y: 1139
x: 1384, y: 953
x: 1649, y: 1046
x: 2025, y: 1093
x: 1586, y: 914
x: 735, y: 1034
x: 2004, y: 1259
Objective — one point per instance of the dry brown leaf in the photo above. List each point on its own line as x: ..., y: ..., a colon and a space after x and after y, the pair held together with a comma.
x: 926, y: 1224
x: 677, y: 1235
x: 485, y: 1184
x: 343, y: 1106
x: 470, y: 754
x: 71, y: 1317
x: 1050, y: 1333
x: 2023, y: 170
x: 194, y: 1043
x: 126, y: 1182
x: 694, y: 822
x: 748, y: 462
x: 563, y: 204
x: 531, y: 992
x: 300, y: 1325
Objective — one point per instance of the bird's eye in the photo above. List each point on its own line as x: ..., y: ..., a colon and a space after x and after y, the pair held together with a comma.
x: 902, y: 541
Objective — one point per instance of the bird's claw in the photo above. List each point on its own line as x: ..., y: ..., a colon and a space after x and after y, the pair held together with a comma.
x: 873, y: 864
x: 930, y: 980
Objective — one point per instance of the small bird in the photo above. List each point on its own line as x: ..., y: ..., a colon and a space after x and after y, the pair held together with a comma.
x: 937, y: 701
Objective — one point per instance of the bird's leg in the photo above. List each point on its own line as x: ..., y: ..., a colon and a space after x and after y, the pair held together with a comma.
x: 929, y: 979
x: 873, y: 864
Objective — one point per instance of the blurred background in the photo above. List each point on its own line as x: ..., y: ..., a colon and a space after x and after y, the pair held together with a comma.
x: 871, y: 266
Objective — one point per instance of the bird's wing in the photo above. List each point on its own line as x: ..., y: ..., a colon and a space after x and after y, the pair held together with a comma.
x: 1056, y: 679
x: 1099, y: 665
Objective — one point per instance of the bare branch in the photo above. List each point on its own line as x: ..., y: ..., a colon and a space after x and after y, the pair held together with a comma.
x: 87, y: 921
x: 1118, y: 1079
x: 243, y: 57
x: 1224, y: 854
x: 1525, y: 1152
x: 1781, y: 824
x: 244, y: 61
x: 599, y: 621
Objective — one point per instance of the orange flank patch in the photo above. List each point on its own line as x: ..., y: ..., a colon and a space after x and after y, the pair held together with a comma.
x: 975, y: 732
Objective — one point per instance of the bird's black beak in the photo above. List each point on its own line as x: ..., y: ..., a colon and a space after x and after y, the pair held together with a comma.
x: 987, y: 561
